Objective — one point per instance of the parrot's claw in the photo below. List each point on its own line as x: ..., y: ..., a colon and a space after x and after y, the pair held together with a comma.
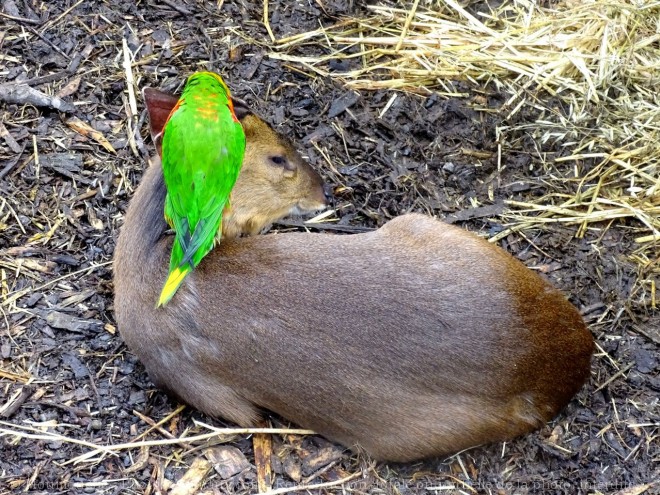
x: 170, y: 232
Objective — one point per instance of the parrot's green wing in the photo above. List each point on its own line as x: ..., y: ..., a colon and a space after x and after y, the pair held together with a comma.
x: 202, y: 153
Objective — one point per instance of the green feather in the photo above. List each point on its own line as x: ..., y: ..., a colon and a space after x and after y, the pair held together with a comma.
x: 202, y: 153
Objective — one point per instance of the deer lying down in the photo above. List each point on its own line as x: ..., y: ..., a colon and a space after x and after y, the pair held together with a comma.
x: 416, y: 340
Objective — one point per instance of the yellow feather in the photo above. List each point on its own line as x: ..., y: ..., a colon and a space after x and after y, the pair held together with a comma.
x: 172, y: 284
x: 169, y: 221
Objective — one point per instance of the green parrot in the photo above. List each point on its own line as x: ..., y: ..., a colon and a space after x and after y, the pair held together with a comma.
x: 203, y: 144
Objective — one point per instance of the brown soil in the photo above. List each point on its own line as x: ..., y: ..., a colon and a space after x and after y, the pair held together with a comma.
x: 60, y: 215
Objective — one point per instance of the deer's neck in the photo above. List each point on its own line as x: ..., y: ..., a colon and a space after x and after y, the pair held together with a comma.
x: 145, y: 224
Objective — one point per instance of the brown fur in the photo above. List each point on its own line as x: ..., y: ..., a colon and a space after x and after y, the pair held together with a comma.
x: 296, y: 188
x: 415, y: 340
x: 292, y: 187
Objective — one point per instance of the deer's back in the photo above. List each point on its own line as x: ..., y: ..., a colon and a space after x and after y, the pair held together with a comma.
x: 371, y: 338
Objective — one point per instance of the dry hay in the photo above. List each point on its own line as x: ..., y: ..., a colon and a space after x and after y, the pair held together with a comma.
x: 600, y: 60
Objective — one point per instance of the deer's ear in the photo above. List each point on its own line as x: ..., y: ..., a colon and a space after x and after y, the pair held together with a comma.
x: 159, y: 106
x: 241, y: 108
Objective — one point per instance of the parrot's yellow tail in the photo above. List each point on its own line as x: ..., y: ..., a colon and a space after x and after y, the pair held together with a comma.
x: 173, y: 282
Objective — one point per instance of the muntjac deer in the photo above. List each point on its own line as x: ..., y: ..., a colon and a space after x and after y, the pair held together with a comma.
x: 415, y: 340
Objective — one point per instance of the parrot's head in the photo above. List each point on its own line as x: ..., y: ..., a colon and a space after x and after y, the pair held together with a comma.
x: 213, y: 82
x: 274, y: 182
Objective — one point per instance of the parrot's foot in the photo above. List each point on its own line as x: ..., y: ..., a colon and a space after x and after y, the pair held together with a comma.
x: 170, y: 232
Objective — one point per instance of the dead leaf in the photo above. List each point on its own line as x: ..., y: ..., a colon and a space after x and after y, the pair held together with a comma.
x: 191, y: 481
x: 292, y: 468
x: 141, y: 461
x: 320, y: 458
x: 94, y: 220
x: 555, y: 435
x: 70, y: 88
x: 235, y: 53
x: 227, y: 461
x: 84, y: 129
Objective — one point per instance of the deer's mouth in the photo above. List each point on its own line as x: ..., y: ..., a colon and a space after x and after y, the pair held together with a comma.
x: 303, y: 208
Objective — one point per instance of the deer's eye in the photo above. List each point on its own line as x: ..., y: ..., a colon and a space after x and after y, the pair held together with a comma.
x: 282, y: 161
